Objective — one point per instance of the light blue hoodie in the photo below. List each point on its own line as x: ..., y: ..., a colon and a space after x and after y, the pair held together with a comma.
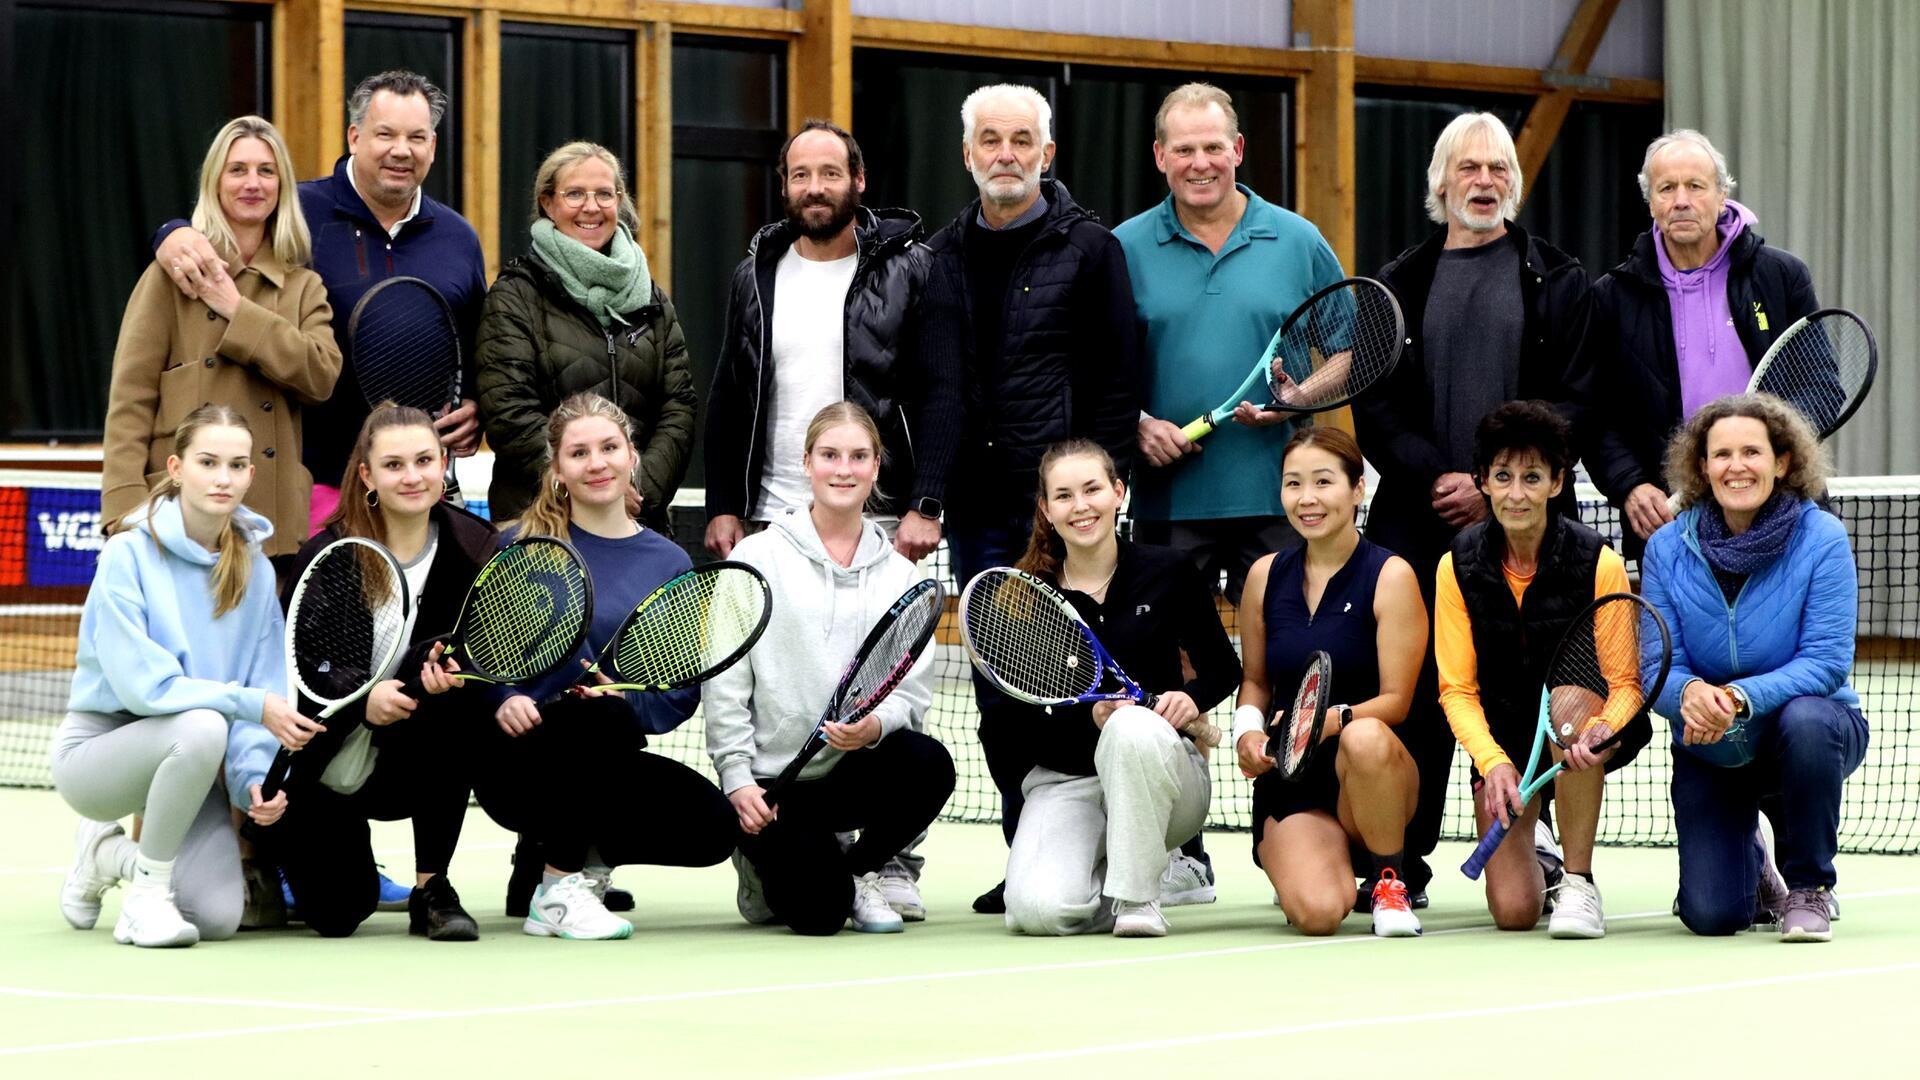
x: 151, y: 646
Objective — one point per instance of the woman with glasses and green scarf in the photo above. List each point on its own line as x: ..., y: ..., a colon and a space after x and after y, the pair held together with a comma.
x: 580, y: 312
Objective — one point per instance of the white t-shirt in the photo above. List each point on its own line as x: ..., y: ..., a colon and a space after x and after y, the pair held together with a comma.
x: 809, y: 372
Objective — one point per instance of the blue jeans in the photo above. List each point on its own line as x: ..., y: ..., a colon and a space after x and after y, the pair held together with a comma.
x: 1800, y: 757
x: 976, y: 544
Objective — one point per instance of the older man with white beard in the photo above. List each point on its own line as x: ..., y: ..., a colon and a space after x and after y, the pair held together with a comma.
x: 1494, y: 315
x: 1028, y: 305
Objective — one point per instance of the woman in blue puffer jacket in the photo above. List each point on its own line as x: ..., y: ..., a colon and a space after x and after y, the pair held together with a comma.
x: 1759, y: 587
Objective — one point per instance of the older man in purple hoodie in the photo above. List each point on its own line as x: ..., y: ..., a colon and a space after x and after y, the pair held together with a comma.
x: 1682, y: 321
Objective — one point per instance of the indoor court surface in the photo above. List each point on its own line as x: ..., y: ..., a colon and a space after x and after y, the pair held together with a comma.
x: 696, y: 991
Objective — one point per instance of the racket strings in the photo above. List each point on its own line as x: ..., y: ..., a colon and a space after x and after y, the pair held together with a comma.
x: 528, y: 612
x: 1821, y: 369
x: 347, y: 623
x: 1026, y: 641
x: 405, y: 348
x: 1596, y: 671
x: 893, y: 655
x: 1299, y: 728
x: 691, y: 628
x: 1340, y: 346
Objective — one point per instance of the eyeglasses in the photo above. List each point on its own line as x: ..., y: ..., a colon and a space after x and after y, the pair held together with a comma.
x: 603, y: 198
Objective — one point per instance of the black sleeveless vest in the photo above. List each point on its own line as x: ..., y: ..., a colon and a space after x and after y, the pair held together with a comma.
x: 1514, y: 643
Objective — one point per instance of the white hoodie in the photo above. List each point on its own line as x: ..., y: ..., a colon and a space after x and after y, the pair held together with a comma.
x: 760, y: 711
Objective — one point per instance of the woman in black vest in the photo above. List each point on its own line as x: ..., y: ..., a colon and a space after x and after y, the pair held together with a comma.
x: 1509, y: 589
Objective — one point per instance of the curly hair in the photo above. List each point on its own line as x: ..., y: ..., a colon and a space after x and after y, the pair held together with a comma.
x: 1787, y: 431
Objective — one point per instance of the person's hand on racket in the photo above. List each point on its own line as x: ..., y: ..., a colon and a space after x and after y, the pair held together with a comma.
x: 189, y: 259
x: 1178, y: 709
x: 266, y: 812
x: 1252, y: 752
x: 437, y: 673
x: 1457, y: 499
x: 1582, y: 755
x: 459, y: 428
x: 858, y: 735
x: 517, y: 715
x: 1162, y: 442
x: 750, y: 803
x: 1250, y: 415
x: 387, y: 705
x: 285, y: 722
x: 1500, y: 793
x: 724, y: 531
x: 1707, y: 711
x: 1646, y: 509
x: 599, y: 679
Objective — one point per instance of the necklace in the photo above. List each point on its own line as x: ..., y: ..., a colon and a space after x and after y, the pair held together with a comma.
x: 1096, y: 590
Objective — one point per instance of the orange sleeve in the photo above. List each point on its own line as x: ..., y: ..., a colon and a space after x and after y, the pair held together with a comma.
x: 1618, y: 643
x: 1459, y: 672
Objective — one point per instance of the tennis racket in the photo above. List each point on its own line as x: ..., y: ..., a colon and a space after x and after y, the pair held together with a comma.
x: 1823, y: 365
x: 348, y: 622
x: 524, y: 616
x: 1339, y: 344
x: 1294, y: 742
x: 406, y: 349
x: 1599, y: 671
x: 688, y: 630
x: 883, y: 660
x: 1029, y: 641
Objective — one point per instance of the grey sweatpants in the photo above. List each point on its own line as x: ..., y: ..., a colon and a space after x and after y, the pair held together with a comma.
x: 166, y: 769
x: 1084, y: 838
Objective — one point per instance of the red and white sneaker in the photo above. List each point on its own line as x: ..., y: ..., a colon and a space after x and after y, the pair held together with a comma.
x: 1392, y: 912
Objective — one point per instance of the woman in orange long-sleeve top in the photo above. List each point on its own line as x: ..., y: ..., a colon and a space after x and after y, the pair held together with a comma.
x: 260, y: 340
x: 1508, y: 590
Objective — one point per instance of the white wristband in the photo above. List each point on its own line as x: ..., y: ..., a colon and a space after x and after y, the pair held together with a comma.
x: 1248, y: 718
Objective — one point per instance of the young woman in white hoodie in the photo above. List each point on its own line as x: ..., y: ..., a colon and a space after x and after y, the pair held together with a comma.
x: 179, y: 660
x: 833, y: 573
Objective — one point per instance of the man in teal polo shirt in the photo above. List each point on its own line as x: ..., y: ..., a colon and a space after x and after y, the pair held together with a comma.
x: 1216, y: 269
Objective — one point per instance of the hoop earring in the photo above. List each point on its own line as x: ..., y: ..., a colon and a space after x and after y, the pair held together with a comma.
x: 373, y: 499
x: 559, y: 491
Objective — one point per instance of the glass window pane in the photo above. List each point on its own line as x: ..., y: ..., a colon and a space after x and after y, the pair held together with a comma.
x: 720, y: 82
x: 557, y: 84
x: 88, y: 120
x: 1586, y: 198
x: 426, y: 46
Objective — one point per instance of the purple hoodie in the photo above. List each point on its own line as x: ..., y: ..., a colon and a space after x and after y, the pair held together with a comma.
x: 1713, y: 362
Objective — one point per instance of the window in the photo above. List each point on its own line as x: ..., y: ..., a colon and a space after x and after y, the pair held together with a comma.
x: 907, y: 115
x: 426, y: 46
x: 729, y: 121
x: 559, y: 84
x: 91, y: 130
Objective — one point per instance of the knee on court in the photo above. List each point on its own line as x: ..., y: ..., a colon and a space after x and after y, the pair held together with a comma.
x: 1041, y: 912
x: 1518, y: 909
x: 1318, y: 915
x: 216, y: 915
x: 1714, y: 916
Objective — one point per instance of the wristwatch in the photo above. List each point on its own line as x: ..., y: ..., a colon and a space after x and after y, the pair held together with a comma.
x: 1742, y: 707
x: 928, y: 507
x: 1344, y: 712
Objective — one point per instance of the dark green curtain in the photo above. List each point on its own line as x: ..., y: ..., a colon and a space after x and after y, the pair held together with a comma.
x: 93, y: 136
x: 427, y: 46
x: 559, y: 84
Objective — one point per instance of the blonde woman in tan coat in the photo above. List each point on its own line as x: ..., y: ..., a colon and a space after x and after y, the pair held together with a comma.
x: 259, y: 339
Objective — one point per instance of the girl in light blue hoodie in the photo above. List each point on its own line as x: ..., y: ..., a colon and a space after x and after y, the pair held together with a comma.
x: 180, y: 641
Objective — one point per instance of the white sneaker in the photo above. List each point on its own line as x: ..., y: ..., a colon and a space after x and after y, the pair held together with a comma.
x: 1185, y: 881
x: 1392, y: 912
x: 149, y: 919
x: 80, y: 896
x: 750, y: 897
x: 1553, y: 865
x: 871, y: 913
x: 569, y: 909
x: 903, y: 896
x: 1138, y: 919
x: 1576, y: 910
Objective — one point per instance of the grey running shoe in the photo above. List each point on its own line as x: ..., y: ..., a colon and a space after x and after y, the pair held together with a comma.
x: 1805, y: 917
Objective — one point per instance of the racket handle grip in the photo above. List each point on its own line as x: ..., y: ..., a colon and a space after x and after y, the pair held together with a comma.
x: 1198, y: 429
x: 276, y: 774
x: 1477, y: 862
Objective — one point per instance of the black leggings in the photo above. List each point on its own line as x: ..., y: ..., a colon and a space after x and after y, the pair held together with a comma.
x: 580, y: 780
x: 890, y: 793
x: 325, y: 847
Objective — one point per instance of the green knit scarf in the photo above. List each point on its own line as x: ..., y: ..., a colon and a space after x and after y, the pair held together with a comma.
x: 610, y: 285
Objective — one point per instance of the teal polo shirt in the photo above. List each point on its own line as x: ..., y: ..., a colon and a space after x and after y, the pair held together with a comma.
x: 1207, y: 319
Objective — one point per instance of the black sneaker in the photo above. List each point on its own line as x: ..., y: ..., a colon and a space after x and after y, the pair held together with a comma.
x: 992, y: 902
x: 527, y: 866
x: 434, y: 911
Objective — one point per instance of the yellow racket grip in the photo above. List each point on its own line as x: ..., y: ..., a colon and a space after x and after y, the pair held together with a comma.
x: 1197, y: 429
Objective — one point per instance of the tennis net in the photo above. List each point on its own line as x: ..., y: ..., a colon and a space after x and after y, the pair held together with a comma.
x: 1881, y: 806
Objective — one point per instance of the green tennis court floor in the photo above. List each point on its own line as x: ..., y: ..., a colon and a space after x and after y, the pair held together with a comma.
x: 698, y: 992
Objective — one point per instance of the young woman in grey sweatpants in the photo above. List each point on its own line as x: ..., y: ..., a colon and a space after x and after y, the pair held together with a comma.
x: 179, y: 639
x: 1116, y: 788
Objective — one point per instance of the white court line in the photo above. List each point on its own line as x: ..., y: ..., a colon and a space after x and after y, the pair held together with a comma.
x: 1395, y: 1019
x: 522, y: 1009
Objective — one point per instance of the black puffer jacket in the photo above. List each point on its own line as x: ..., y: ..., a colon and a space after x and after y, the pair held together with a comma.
x: 1636, y: 369
x: 1069, y: 366
x: 537, y: 346
x: 883, y: 373
x: 1395, y: 424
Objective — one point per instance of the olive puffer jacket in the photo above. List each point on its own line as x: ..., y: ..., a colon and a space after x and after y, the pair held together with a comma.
x: 537, y: 346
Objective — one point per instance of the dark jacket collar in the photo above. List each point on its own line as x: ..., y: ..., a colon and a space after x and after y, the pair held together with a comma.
x: 1420, y: 260
x: 1062, y: 214
x: 874, y: 231
x: 1642, y: 264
